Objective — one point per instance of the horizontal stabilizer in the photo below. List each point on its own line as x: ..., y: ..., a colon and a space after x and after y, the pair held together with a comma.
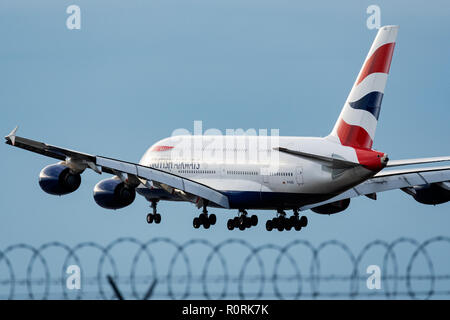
x: 327, y: 161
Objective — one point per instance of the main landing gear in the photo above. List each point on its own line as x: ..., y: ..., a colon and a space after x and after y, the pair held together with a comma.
x: 204, y: 219
x: 282, y: 223
x: 154, y: 217
x: 242, y: 221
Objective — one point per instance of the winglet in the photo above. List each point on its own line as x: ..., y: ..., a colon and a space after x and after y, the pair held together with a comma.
x: 12, y: 135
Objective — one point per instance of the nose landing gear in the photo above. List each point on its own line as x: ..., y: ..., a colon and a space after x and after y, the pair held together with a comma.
x: 154, y: 217
x: 281, y: 222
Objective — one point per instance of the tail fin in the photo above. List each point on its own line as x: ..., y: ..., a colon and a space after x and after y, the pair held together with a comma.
x: 357, y: 122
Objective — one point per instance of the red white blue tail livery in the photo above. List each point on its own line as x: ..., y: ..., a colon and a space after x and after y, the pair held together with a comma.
x: 359, y: 117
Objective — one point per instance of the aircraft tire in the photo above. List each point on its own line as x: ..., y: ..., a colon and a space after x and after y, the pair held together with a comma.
x: 254, y: 220
x: 269, y: 225
x: 303, y: 221
x: 212, y: 219
x: 196, y: 223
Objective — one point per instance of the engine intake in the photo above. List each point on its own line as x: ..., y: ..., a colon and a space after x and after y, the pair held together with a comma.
x: 334, y: 207
x: 58, y: 179
x: 112, y: 193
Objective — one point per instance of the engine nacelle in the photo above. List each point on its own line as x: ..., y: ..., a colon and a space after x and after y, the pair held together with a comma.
x: 333, y: 207
x: 435, y: 193
x: 113, y: 194
x: 58, y: 179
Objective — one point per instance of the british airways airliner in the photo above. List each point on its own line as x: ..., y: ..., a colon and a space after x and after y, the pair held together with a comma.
x: 293, y: 174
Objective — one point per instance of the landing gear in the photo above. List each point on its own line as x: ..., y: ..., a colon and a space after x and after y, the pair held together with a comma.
x: 242, y: 221
x: 282, y: 223
x: 204, y: 219
x: 154, y: 217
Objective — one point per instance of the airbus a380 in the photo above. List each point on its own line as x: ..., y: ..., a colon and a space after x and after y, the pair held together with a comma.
x: 296, y: 174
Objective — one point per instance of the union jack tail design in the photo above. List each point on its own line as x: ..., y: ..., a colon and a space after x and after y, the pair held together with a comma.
x: 357, y: 122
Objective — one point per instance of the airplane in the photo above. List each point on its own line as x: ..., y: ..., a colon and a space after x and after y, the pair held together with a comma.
x: 293, y: 174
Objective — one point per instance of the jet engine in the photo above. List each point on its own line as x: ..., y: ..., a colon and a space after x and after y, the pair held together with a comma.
x: 113, y: 193
x: 58, y: 179
x: 333, y: 207
x: 435, y: 193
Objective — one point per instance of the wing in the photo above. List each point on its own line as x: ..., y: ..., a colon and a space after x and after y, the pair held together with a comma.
x: 396, y: 163
x: 103, y: 164
x: 390, y: 180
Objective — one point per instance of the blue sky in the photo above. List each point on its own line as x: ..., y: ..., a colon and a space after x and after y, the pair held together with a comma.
x: 137, y: 70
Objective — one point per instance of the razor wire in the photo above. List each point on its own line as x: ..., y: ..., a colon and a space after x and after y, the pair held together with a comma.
x: 229, y: 269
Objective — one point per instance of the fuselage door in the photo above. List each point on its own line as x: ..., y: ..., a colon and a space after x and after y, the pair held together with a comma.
x: 265, y: 174
x: 299, y: 175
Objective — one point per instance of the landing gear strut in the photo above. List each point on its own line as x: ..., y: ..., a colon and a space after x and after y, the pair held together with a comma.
x: 281, y: 222
x: 204, y: 219
x: 242, y: 221
x: 154, y: 217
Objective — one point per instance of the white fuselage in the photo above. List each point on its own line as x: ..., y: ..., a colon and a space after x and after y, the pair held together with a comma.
x: 251, y: 173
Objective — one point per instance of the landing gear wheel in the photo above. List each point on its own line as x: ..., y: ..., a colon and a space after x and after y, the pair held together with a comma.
x: 297, y: 225
x: 206, y: 224
x: 203, y: 218
x: 149, y: 218
x: 269, y: 225
x: 280, y: 224
x: 303, y: 221
x: 157, y: 218
x: 196, y: 223
x: 287, y: 225
x: 230, y: 224
x: 212, y: 219
x: 247, y: 222
x: 236, y: 222
x: 241, y: 227
x: 254, y: 220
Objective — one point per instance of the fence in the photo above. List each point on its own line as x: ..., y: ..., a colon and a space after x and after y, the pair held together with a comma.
x: 161, y: 268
